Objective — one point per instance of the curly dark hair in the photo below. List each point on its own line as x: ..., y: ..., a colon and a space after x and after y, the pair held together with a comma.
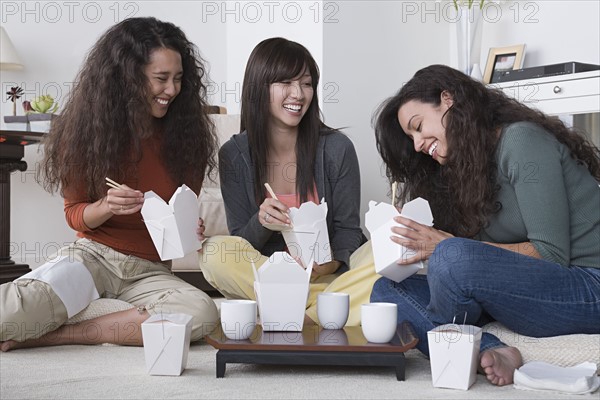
x: 462, y: 193
x: 107, y: 114
x: 276, y: 60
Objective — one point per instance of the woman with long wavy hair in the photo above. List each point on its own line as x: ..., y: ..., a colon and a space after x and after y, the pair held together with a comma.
x: 137, y: 114
x: 285, y: 143
x: 519, y: 191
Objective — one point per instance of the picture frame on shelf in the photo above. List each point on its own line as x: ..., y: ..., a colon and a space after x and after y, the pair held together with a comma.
x: 503, y: 59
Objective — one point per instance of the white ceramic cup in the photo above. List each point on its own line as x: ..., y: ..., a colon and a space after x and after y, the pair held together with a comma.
x: 379, y: 321
x: 238, y: 318
x: 333, y: 309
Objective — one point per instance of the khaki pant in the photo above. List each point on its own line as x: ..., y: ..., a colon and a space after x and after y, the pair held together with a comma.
x: 226, y: 262
x: 31, y: 308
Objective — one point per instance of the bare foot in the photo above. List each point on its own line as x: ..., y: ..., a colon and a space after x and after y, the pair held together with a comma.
x: 499, y: 364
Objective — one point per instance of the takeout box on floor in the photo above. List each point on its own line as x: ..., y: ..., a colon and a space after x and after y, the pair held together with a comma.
x: 281, y: 286
x: 167, y: 343
x: 172, y: 226
x: 308, y: 238
x: 379, y: 220
x: 454, y: 355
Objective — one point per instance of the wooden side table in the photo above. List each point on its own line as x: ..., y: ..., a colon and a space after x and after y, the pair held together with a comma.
x: 12, y: 150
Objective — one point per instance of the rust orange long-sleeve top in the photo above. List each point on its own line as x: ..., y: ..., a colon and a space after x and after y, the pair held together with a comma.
x: 126, y: 233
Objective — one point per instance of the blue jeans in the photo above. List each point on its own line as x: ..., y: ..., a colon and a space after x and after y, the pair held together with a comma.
x: 529, y: 296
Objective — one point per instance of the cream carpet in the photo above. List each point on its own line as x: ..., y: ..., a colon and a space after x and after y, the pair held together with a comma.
x: 113, y: 372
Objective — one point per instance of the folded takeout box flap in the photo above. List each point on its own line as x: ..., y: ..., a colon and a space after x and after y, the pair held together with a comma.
x: 379, y: 214
x: 183, y: 196
x: 185, y: 209
x: 178, y: 221
x: 309, y: 242
x: 154, y: 207
x: 308, y: 212
x: 309, y: 236
x: 282, y: 268
x: 419, y: 211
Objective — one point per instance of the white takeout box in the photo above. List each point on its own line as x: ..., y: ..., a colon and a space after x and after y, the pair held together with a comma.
x: 454, y: 355
x: 308, y: 237
x: 167, y: 343
x: 379, y: 220
x: 281, y: 286
x: 172, y: 226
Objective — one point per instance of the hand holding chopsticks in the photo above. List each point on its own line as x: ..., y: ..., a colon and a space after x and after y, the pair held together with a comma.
x: 124, y: 202
x: 271, y: 192
x: 273, y: 214
x: 114, y: 184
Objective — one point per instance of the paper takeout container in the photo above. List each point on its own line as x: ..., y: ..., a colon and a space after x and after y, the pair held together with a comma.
x: 281, y: 286
x: 454, y: 355
x: 379, y: 220
x: 167, y: 343
x: 308, y: 237
x: 172, y: 226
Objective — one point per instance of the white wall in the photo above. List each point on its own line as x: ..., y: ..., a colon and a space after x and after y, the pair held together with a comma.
x: 366, y: 50
x: 297, y: 21
x: 371, y: 49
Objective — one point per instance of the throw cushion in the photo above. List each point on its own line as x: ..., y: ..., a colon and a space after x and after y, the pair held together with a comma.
x: 98, y: 308
x: 212, y: 211
x: 564, y: 351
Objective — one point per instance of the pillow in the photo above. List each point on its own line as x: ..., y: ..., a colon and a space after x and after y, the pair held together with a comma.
x: 210, y: 202
x: 564, y: 351
x: 98, y: 308
x: 212, y: 211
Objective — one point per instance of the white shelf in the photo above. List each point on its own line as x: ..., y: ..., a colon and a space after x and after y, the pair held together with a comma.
x: 577, y: 93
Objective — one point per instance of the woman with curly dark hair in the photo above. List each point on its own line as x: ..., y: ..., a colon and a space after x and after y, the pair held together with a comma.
x: 137, y: 114
x: 519, y: 191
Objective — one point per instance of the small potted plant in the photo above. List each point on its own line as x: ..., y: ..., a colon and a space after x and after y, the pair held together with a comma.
x: 16, y: 122
x: 41, y: 113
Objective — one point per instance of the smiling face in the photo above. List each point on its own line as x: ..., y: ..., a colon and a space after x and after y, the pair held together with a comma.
x: 164, y: 73
x: 290, y: 100
x: 424, y: 124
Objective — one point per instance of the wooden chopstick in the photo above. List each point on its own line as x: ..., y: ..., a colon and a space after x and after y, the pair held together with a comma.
x: 394, y: 186
x: 113, y: 184
x: 273, y: 195
x: 271, y: 192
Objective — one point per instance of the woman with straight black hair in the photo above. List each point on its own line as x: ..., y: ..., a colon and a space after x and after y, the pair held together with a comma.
x: 285, y: 143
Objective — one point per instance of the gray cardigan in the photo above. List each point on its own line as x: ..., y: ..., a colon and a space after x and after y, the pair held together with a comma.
x: 337, y: 177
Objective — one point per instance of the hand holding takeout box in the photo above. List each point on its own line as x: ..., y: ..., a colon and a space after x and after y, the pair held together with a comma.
x: 308, y: 237
x: 172, y: 226
x: 379, y: 220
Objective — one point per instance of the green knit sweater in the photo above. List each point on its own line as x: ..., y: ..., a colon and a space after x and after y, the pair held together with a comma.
x: 547, y: 197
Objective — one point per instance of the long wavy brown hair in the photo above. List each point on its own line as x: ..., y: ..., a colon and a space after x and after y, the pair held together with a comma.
x: 462, y: 193
x: 107, y: 114
x: 277, y: 60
